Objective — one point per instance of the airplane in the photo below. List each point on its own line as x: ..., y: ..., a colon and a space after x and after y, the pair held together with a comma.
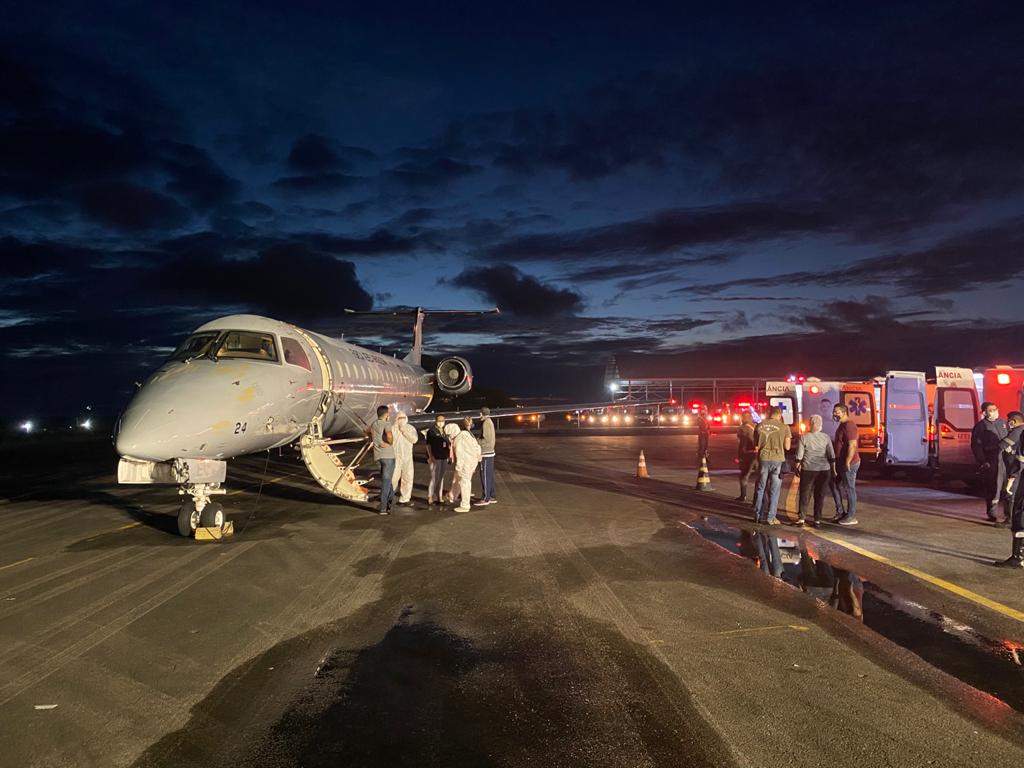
x: 244, y: 384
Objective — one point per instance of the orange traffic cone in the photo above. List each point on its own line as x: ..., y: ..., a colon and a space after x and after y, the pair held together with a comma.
x: 703, y: 476
x: 641, y: 466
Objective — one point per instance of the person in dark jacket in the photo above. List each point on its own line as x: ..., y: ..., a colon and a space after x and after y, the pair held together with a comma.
x: 703, y: 436
x: 439, y: 453
x: 746, y: 452
x: 1013, y: 461
x: 985, y: 445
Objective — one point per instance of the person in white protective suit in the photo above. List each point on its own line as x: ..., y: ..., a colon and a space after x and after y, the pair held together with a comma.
x: 405, y: 436
x: 451, y: 431
x: 467, y: 457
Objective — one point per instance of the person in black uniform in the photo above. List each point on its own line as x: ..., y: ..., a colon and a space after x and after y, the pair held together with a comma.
x: 985, y: 444
x: 1013, y: 451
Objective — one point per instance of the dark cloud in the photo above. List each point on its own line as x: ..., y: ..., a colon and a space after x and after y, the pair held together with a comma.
x: 964, y: 262
x: 313, y: 154
x: 130, y: 208
x: 666, y: 232
x: 438, y: 172
x: 196, y: 177
x: 317, y: 183
x: 518, y: 293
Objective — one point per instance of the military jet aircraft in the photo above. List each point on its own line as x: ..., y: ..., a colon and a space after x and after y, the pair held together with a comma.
x: 243, y: 384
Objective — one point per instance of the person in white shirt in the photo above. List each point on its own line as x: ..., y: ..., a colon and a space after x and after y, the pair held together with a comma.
x: 404, y: 438
x: 467, y: 456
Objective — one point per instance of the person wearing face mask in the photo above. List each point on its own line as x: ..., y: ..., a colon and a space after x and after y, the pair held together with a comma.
x: 439, y: 451
x: 985, y: 439
x: 1013, y: 460
x: 847, y: 457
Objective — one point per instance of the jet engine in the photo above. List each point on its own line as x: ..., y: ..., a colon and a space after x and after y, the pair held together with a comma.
x: 454, y: 376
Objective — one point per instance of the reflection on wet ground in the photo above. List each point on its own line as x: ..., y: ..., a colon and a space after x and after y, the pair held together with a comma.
x: 991, y: 665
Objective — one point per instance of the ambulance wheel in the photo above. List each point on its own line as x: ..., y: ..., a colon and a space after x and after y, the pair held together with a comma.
x: 213, y: 516
x: 188, y: 518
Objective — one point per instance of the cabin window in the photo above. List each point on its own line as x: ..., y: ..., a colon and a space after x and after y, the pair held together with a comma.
x: 247, y: 345
x: 294, y: 354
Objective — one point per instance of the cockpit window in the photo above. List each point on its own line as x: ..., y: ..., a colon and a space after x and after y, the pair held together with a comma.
x: 294, y: 354
x: 247, y: 345
x: 196, y: 345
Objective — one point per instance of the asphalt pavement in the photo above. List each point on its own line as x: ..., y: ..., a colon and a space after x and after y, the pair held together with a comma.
x: 589, y: 618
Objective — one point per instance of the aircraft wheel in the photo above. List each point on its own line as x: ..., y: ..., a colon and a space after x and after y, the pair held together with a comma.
x: 188, y: 518
x: 212, y: 516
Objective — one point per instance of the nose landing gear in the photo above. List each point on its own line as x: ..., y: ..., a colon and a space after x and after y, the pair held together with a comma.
x: 199, y: 512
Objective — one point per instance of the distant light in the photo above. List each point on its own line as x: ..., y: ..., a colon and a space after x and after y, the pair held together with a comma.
x: 613, y: 387
x: 26, y: 426
x: 86, y: 425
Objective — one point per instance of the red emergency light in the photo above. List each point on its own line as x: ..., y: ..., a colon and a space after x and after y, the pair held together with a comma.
x: 814, y: 389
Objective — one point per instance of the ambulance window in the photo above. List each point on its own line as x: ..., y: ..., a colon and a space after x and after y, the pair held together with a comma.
x: 247, y: 345
x: 786, y: 405
x: 956, y: 408
x: 294, y: 354
x: 862, y: 409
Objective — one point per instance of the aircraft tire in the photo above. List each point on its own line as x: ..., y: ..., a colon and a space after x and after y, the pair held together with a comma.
x: 185, y: 527
x: 212, y: 516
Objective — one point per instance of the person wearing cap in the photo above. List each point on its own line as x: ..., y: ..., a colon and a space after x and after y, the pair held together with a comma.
x: 487, y: 440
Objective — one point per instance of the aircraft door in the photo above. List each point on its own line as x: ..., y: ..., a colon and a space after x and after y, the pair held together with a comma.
x: 906, y: 419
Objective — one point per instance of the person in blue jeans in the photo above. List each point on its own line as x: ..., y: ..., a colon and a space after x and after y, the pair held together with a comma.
x: 773, y: 440
x: 487, y: 440
x: 847, y: 464
x: 384, y: 452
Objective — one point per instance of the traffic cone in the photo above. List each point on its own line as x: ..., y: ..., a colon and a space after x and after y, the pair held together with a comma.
x: 703, y: 476
x: 641, y: 466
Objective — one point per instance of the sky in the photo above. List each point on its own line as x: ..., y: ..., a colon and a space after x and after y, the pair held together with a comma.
x: 697, y: 189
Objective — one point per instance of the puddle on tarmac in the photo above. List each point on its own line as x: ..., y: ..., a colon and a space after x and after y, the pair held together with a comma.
x: 993, y: 666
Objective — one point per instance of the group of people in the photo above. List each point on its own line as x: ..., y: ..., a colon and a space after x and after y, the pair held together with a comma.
x: 822, y: 463
x: 448, y: 444
x: 998, y: 447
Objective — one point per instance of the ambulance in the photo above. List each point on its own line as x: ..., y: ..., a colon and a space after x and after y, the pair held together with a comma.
x: 784, y: 395
x: 1004, y: 386
x: 928, y: 423
x: 863, y: 398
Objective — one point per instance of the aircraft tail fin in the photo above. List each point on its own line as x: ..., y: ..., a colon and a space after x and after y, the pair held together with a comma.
x: 415, y: 355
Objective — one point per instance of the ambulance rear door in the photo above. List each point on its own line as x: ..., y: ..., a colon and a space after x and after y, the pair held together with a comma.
x: 819, y: 398
x: 906, y: 419
x: 783, y: 395
x: 956, y: 413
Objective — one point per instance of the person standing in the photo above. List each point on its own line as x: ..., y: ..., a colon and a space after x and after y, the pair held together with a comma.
x: 815, y: 463
x: 384, y: 454
x: 487, y: 441
x: 773, y: 440
x: 1013, y: 458
x: 467, y: 457
x: 439, y: 451
x: 985, y: 439
x: 404, y: 438
x: 703, y: 435
x: 746, y: 452
x: 847, y: 463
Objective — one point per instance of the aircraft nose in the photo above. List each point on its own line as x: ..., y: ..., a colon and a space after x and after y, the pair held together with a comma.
x: 179, y: 413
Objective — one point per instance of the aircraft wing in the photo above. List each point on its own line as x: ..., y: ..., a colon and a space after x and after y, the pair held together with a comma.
x: 424, y: 419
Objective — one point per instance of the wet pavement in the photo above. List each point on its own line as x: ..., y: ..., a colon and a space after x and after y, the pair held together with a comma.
x: 587, y: 619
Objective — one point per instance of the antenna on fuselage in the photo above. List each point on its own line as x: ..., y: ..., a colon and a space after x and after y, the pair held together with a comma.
x: 416, y: 353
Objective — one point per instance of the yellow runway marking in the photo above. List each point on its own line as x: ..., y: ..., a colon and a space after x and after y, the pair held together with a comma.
x: 256, y: 483
x: 19, y: 562
x: 949, y: 586
x: 758, y: 630
x: 113, y: 530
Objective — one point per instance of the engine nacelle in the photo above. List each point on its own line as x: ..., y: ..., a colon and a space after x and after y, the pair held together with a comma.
x: 454, y: 376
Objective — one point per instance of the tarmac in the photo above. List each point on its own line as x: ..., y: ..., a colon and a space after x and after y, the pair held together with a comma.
x: 587, y: 619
